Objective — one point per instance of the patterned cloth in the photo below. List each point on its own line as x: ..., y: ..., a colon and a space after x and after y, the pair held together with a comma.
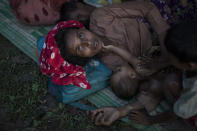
x: 174, y: 11
x: 52, y: 64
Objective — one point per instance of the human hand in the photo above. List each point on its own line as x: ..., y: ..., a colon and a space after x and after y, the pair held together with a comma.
x: 140, y: 117
x: 143, y: 65
x: 107, y: 47
x: 104, y: 116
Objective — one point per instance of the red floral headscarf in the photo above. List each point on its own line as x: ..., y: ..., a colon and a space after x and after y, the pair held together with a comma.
x: 52, y: 63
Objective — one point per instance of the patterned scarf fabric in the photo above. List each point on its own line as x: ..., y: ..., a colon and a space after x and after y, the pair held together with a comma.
x: 52, y: 64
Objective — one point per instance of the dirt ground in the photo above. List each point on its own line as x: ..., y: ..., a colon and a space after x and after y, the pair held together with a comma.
x: 26, y: 105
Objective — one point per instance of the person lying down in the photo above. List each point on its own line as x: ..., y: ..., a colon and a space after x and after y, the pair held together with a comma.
x: 126, y: 83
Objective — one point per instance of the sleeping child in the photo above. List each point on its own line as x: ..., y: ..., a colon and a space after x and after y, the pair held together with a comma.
x: 125, y: 83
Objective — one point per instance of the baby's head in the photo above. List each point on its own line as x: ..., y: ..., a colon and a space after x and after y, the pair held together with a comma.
x: 76, y: 11
x: 124, y: 82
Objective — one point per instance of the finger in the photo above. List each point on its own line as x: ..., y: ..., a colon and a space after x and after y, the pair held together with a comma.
x: 103, y: 121
x: 134, y: 112
x: 98, y: 118
x: 97, y: 110
x: 107, y: 121
x: 132, y: 116
x: 94, y: 113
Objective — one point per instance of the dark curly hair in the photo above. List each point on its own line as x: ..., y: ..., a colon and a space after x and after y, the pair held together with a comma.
x: 65, y: 53
x: 181, y: 41
x: 66, y: 13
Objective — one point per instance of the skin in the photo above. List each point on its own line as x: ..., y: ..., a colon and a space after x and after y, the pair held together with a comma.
x: 142, y: 117
x: 172, y: 90
x: 107, y: 115
x: 142, y: 65
x: 190, y: 66
x: 171, y: 93
x: 124, y: 80
x: 124, y: 70
x: 82, y: 42
x: 82, y: 13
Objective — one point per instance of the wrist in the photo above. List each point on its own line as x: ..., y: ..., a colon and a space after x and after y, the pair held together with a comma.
x: 125, y: 110
x: 112, y: 48
x: 135, y: 60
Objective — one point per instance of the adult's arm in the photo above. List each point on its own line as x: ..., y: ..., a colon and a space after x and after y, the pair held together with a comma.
x: 145, y: 119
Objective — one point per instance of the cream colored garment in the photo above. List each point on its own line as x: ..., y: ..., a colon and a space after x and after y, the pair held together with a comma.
x: 186, y: 105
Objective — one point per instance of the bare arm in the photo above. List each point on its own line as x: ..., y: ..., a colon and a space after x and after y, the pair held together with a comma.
x: 122, y: 53
x: 145, y: 119
x: 163, y: 117
x: 107, y: 115
x: 142, y: 65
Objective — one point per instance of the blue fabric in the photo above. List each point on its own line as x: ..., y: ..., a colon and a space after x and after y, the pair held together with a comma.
x: 97, y: 75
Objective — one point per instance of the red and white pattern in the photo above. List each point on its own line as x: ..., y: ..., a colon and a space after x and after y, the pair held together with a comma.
x: 52, y: 64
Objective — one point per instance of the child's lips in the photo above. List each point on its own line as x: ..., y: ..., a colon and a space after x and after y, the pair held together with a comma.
x: 96, y: 43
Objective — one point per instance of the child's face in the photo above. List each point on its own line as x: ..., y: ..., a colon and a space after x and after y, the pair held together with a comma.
x: 83, y: 43
x: 82, y: 13
x: 125, y: 70
x: 124, y: 82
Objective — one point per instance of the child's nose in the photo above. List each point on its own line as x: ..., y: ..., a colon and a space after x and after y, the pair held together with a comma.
x: 88, y: 43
